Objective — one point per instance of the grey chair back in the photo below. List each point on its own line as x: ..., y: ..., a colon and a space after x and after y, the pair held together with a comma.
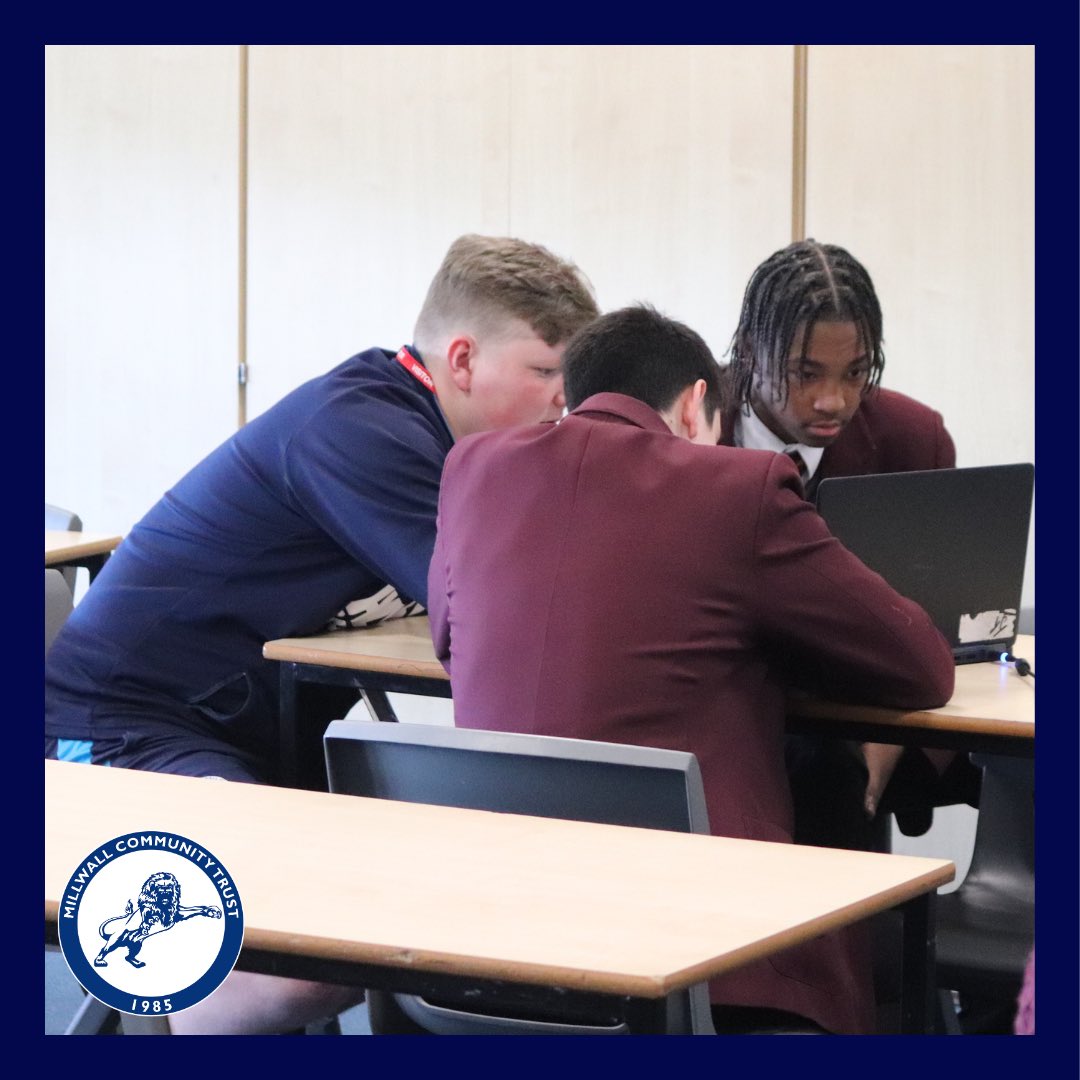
x: 537, y: 775
x: 56, y: 517
x: 58, y: 604
x: 986, y: 927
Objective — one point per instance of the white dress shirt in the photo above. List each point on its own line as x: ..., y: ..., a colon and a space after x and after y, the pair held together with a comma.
x: 751, y: 434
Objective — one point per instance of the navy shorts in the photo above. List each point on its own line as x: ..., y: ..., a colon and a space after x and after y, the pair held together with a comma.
x: 181, y: 753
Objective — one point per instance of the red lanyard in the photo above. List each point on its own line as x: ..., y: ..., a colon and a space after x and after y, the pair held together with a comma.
x: 415, y: 368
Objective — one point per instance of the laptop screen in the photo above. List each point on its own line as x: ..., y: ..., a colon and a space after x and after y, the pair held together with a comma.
x: 952, y: 540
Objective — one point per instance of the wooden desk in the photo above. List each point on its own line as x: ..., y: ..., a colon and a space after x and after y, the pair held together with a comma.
x: 395, y: 657
x: 415, y: 898
x: 79, y: 549
x: 992, y: 709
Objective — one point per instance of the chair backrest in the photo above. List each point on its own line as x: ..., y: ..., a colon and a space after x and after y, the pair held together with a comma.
x: 610, y: 783
x: 58, y: 604
x: 986, y: 927
x: 1003, y: 858
x: 56, y: 517
x: 542, y: 776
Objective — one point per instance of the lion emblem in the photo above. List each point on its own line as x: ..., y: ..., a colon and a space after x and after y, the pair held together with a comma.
x: 158, y: 910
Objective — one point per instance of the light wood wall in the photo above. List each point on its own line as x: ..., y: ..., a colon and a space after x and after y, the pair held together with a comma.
x: 921, y: 162
x: 664, y: 171
x: 365, y: 163
x: 657, y: 169
x: 140, y: 271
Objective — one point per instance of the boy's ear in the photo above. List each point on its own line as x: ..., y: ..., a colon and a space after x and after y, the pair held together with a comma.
x: 460, y: 358
x: 690, y: 409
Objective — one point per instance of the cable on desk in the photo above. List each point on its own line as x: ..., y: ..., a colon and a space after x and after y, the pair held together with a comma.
x: 1022, y: 666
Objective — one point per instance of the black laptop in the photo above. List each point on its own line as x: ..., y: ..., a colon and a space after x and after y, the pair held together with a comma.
x: 952, y: 540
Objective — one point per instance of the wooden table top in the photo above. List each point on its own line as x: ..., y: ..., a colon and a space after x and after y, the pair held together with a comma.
x: 400, y: 647
x: 989, y: 698
x: 590, y: 907
x: 61, y: 546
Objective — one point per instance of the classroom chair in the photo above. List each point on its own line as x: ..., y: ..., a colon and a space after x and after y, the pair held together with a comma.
x: 58, y: 518
x: 58, y: 604
x: 92, y: 1017
x: 521, y: 774
x: 986, y: 927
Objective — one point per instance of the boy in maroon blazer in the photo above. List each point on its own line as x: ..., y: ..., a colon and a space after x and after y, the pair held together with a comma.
x: 619, y: 576
x: 806, y: 363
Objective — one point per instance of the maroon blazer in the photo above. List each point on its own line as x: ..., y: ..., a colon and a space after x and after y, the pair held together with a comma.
x: 603, y: 579
x: 890, y: 433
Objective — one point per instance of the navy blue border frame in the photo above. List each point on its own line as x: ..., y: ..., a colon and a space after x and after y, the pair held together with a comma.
x: 1053, y: 30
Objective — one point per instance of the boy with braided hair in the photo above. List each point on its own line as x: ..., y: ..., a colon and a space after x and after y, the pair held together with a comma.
x: 804, y: 379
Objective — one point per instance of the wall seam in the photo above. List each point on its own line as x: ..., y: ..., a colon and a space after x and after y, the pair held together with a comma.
x: 798, y: 144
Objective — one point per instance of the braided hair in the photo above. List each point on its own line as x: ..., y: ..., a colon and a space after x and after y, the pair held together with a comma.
x: 798, y: 286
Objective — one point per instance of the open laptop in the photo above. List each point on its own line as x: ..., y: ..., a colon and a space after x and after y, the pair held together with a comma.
x: 952, y: 540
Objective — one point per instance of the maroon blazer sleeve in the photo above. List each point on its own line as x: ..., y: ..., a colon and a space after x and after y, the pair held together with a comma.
x: 818, y: 602
x: 890, y: 433
x: 944, y: 449
x: 438, y: 589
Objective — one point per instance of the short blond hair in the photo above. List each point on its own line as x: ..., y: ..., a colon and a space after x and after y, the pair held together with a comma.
x: 486, y: 280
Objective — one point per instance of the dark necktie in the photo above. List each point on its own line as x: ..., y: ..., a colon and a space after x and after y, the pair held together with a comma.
x: 795, y: 456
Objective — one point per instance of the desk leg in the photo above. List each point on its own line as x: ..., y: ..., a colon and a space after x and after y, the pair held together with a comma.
x: 379, y: 706
x: 287, y: 747
x: 94, y: 565
x: 917, y: 999
x: 306, y: 705
x: 317, y: 693
x: 647, y: 1016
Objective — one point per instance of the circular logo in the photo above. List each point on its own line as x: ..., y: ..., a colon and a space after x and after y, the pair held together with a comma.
x: 151, y: 923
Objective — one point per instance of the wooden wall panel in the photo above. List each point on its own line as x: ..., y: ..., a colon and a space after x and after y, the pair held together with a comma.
x: 140, y: 271
x: 664, y: 171
x: 921, y: 162
x: 366, y: 161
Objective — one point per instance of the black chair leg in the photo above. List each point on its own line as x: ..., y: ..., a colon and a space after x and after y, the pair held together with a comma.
x: 947, y: 1022
x: 984, y: 1016
x: 93, y: 1017
x: 327, y: 1026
